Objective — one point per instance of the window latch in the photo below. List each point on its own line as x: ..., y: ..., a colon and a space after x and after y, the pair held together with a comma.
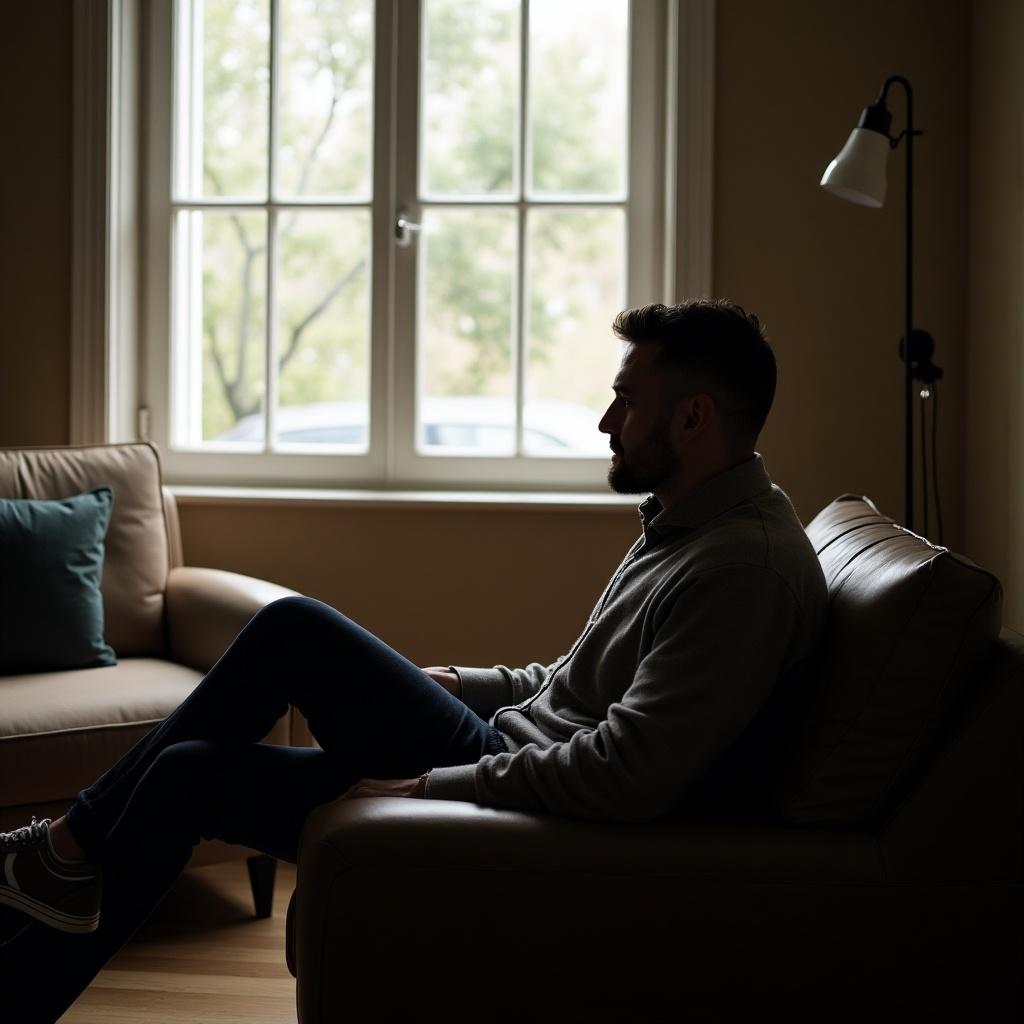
x: 405, y: 229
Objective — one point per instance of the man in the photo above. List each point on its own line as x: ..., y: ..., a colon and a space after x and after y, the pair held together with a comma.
x: 667, y: 703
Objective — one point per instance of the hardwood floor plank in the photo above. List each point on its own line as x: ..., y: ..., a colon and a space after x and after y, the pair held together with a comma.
x: 202, y: 957
x: 256, y: 963
x: 180, y: 979
x: 103, y: 1007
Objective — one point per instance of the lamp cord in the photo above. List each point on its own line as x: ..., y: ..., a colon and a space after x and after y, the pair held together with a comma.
x: 935, y: 457
x: 924, y: 464
x: 931, y: 390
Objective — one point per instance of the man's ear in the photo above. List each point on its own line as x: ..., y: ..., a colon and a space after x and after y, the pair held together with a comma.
x: 693, y: 415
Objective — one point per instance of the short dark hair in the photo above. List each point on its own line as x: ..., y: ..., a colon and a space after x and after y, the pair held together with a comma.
x: 722, y: 348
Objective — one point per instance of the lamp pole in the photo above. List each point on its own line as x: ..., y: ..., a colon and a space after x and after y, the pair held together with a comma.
x: 908, y: 301
x: 858, y: 174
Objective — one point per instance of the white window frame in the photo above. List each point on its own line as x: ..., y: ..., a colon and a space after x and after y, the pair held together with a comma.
x: 105, y: 225
x: 120, y: 346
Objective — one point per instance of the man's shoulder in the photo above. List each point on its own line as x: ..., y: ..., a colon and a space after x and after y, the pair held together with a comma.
x: 761, y: 534
x: 751, y: 530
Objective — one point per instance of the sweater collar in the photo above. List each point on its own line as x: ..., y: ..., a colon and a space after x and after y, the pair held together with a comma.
x: 710, y: 500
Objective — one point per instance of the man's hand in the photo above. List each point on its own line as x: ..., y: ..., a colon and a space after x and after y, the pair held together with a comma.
x: 387, y: 787
x: 445, y: 678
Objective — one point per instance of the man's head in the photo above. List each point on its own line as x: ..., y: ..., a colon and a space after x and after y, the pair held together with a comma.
x: 692, y: 393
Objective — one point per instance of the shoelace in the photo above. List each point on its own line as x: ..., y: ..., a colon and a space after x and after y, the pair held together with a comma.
x: 25, y: 836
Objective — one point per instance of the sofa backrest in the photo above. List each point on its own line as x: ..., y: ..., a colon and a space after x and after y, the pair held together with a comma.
x: 136, y: 555
x: 909, y: 624
x: 962, y: 818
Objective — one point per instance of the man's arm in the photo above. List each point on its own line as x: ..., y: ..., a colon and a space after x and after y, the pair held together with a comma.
x: 484, y: 690
x: 495, y: 686
x: 722, y: 643
x: 491, y: 686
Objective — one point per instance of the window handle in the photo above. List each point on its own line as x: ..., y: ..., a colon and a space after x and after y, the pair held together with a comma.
x: 405, y: 228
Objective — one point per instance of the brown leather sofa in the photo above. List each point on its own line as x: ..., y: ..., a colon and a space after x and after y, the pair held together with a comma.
x: 881, y: 878
x: 167, y: 622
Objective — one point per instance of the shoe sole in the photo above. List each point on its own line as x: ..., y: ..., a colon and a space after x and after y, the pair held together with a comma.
x: 58, y: 919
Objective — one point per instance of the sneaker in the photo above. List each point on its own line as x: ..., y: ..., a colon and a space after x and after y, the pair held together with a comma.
x: 33, y: 879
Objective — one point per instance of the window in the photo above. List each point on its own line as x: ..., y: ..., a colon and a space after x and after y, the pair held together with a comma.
x: 384, y: 241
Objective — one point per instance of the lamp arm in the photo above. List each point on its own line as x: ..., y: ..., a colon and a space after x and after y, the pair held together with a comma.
x: 891, y: 81
x: 880, y: 105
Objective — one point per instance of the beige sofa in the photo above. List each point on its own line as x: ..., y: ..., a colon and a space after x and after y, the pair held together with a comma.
x: 167, y: 622
x: 882, y: 879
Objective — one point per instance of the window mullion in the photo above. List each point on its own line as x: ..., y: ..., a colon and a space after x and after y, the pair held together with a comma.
x: 518, y: 364
x: 270, y: 326
x: 195, y: 96
x: 403, y: 305
x: 519, y: 328
x: 271, y: 333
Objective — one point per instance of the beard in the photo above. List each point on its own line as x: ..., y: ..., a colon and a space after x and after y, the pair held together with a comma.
x: 645, y: 468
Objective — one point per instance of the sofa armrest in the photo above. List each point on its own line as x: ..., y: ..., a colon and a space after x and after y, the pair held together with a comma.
x: 207, y: 609
x: 432, y: 890
x: 395, y: 833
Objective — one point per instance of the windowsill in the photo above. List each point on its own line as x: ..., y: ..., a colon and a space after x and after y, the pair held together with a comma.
x: 297, y: 497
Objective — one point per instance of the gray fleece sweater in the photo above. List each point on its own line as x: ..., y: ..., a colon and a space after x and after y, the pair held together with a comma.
x: 719, y: 604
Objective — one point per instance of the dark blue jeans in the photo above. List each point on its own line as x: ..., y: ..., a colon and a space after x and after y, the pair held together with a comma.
x: 202, y: 773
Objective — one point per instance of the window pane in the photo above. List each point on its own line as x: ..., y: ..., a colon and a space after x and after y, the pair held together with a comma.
x: 576, y: 281
x: 324, y: 328
x: 228, y: 299
x: 222, y: 140
x: 465, y: 385
x: 325, y: 89
x: 578, y: 88
x: 470, y: 97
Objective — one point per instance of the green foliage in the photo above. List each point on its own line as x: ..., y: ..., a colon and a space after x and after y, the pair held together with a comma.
x: 232, y: 98
x: 470, y: 266
x: 471, y: 94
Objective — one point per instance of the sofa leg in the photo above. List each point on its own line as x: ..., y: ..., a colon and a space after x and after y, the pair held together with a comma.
x: 261, y: 878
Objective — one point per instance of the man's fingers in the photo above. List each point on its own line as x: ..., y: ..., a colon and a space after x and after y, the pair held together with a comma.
x: 385, y: 787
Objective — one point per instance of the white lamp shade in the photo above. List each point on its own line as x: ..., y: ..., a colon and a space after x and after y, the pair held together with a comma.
x: 858, y: 172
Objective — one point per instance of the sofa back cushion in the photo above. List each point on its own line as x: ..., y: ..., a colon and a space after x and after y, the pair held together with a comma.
x: 909, y: 624
x: 136, y: 553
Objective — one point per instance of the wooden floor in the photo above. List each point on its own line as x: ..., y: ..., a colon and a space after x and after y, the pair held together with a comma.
x: 201, y: 957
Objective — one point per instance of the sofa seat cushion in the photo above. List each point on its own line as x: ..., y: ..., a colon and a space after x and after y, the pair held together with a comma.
x: 60, y: 730
x: 136, y: 548
x: 909, y: 625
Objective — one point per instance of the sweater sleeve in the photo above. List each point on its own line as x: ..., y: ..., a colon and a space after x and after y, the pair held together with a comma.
x: 484, y: 690
x: 720, y: 645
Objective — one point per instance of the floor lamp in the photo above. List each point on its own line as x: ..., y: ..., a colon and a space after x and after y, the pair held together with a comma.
x: 858, y: 174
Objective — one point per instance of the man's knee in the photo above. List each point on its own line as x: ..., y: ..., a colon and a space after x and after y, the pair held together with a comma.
x: 290, y: 618
x: 189, y: 763
x: 176, y: 797
x: 283, y: 612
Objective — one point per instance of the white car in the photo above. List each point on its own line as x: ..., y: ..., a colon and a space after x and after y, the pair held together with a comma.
x: 460, y: 425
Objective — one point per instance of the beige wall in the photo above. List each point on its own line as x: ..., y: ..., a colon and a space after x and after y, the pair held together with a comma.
x: 827, y: 276
x: 792, y: 76
x: 35, y: 221
x: 995, y: 421
x: 470, y: 586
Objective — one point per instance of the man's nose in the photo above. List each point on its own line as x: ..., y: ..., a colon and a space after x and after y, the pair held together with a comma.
x: 605, y: 424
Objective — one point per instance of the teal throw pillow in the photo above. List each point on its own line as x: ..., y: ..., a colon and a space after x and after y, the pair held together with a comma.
x: 51, y: 565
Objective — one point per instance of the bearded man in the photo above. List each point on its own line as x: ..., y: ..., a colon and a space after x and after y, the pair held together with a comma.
x: 668, y: 703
